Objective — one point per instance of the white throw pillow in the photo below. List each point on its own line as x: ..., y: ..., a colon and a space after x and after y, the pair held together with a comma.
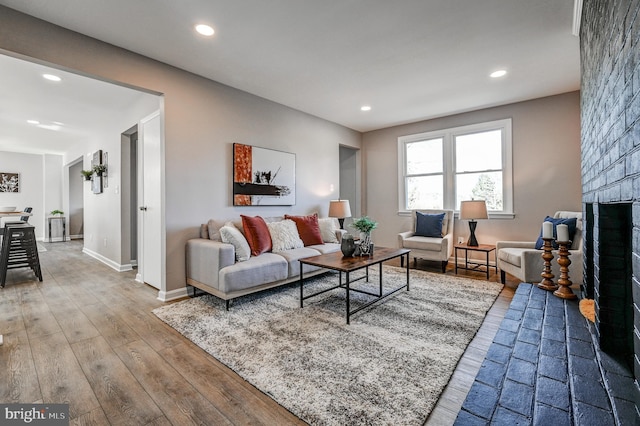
x: 231, y: 235
x: 284, y: 235
x: 328, y: 228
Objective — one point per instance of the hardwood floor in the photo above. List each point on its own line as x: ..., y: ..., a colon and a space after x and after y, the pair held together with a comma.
x: 86, y: 336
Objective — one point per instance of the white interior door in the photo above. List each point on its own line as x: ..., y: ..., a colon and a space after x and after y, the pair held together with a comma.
x: 150, y: 222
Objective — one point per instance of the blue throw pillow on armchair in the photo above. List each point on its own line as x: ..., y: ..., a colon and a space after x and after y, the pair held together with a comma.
x: 429, y: 225
x: 571, y: 223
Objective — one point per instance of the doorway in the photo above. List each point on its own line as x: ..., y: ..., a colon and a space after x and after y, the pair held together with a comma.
x: 75, y: 209
x: 350, y: 179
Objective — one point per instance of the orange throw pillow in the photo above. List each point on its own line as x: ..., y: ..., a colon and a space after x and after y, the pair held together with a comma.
x: 308, y: 228
x: 257, y: 233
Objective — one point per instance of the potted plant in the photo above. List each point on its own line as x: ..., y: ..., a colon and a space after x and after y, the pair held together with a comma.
x: 365, y: 225
x: 57, y: 212
x: 100, y: 169
x: 87, y: 174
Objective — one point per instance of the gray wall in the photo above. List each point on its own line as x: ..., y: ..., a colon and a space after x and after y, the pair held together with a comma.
x: 202, y: 120
x: 546, y: 168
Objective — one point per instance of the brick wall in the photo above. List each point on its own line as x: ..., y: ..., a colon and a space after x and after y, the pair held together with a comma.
x: 610, y: 163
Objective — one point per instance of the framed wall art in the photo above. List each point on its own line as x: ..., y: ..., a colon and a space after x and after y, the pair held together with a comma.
x: 263, y: 177
x: 9, y: 182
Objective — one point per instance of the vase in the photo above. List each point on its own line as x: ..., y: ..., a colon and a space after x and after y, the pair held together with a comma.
x: 365, y: 243
x: 348, y: 246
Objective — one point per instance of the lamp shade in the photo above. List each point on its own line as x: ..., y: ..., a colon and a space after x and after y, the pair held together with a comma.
x: 473, y: 209
x: 339, y: 208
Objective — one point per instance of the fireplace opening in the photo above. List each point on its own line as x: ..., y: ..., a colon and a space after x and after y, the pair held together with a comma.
x: 609, y: 248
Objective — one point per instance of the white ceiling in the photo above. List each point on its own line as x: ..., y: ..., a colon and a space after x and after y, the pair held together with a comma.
x: 409, y: 59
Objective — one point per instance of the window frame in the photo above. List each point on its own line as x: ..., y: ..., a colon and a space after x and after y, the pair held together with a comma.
x: 448, y: 163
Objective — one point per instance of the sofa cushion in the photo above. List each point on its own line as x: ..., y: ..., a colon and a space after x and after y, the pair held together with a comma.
x: 231, y: 235
x: 308, y: 228
x: 257, y: 234
x: 570, y: 222
x: 326, y: 247
x: 512, y: 255
x: 423, y: 243
x: 292, y: 257
x: 263, y: 269
x: 284, y: 235
x: 429, y: 225
x: 328, y: 227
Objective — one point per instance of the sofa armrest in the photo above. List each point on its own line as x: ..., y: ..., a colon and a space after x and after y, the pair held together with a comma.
x: 404, y: 235
x: 515, y: 244
x: 205, y: 258
x: 340, y: 233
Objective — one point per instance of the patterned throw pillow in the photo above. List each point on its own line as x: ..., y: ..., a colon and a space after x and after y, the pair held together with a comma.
x: 284, y: 235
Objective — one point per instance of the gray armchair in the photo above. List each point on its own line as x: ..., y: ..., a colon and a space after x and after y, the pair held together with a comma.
x: 430, y: 248
x: 522, y: 260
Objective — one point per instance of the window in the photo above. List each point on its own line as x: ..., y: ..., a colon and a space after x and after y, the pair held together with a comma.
x: 439, y: 169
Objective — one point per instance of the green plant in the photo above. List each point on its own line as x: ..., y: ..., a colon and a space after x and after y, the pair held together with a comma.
x: 100, y: 169
x: 87, y: 174
x: 364, y: 224
x: 56, y: 212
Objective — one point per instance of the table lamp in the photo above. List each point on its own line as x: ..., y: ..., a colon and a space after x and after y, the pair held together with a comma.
x: 472, y: 210
x: 339, y: 209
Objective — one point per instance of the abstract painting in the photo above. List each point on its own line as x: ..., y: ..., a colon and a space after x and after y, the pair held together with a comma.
x: 9, y: 182
x: 263, y: 177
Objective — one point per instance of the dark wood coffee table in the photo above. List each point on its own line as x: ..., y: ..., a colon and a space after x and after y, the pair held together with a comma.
x: 337, y: 262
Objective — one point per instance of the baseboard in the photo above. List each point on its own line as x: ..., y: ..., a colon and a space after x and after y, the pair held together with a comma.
x: 167, y: 296
x: 110, y: 263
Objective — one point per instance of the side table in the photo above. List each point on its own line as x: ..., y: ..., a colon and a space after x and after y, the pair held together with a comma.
x: 476, y: 266
x: 64, y: 226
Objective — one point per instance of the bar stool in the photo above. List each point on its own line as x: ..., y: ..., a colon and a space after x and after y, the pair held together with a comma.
x: 19, y: 250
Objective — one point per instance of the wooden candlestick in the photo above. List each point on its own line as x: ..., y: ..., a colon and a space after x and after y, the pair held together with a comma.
x: 564, y: 283
x: 547, y: 255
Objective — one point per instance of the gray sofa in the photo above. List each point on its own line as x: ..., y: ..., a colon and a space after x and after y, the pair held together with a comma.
x: 212, y: 266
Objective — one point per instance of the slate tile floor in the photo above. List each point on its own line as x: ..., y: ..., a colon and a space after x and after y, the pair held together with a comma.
x: 543, y: 368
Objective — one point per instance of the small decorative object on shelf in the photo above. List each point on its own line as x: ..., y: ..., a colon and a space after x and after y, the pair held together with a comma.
x: 547, y: 255
x: 87, y: 174
x: 57, y: 212
x: 365, y: 225
x: 348, y: 245
x: 564, y: 283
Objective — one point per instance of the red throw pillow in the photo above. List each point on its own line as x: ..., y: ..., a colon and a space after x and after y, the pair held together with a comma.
x: 257, y: 233
x: 308, y: 228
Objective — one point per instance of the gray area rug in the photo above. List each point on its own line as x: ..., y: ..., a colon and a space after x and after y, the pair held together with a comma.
x: 389, y: 366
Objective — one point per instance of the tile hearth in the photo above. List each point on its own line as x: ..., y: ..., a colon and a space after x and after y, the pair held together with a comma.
x: 543, y: 368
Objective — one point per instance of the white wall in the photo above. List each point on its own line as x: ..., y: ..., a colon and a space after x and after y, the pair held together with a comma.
x: 202, y: 121
x: 546, y: 168
x: 102, y: 218
x: 39, y: 185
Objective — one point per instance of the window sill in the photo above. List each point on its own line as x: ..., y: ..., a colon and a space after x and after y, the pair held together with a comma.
x: 492, y: 215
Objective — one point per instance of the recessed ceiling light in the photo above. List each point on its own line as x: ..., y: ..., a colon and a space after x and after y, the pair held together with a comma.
x: 205, y: 30
x: 499, y: 73
x: 33, y: 122
x: 365, y: 108
x: 51, y: 77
